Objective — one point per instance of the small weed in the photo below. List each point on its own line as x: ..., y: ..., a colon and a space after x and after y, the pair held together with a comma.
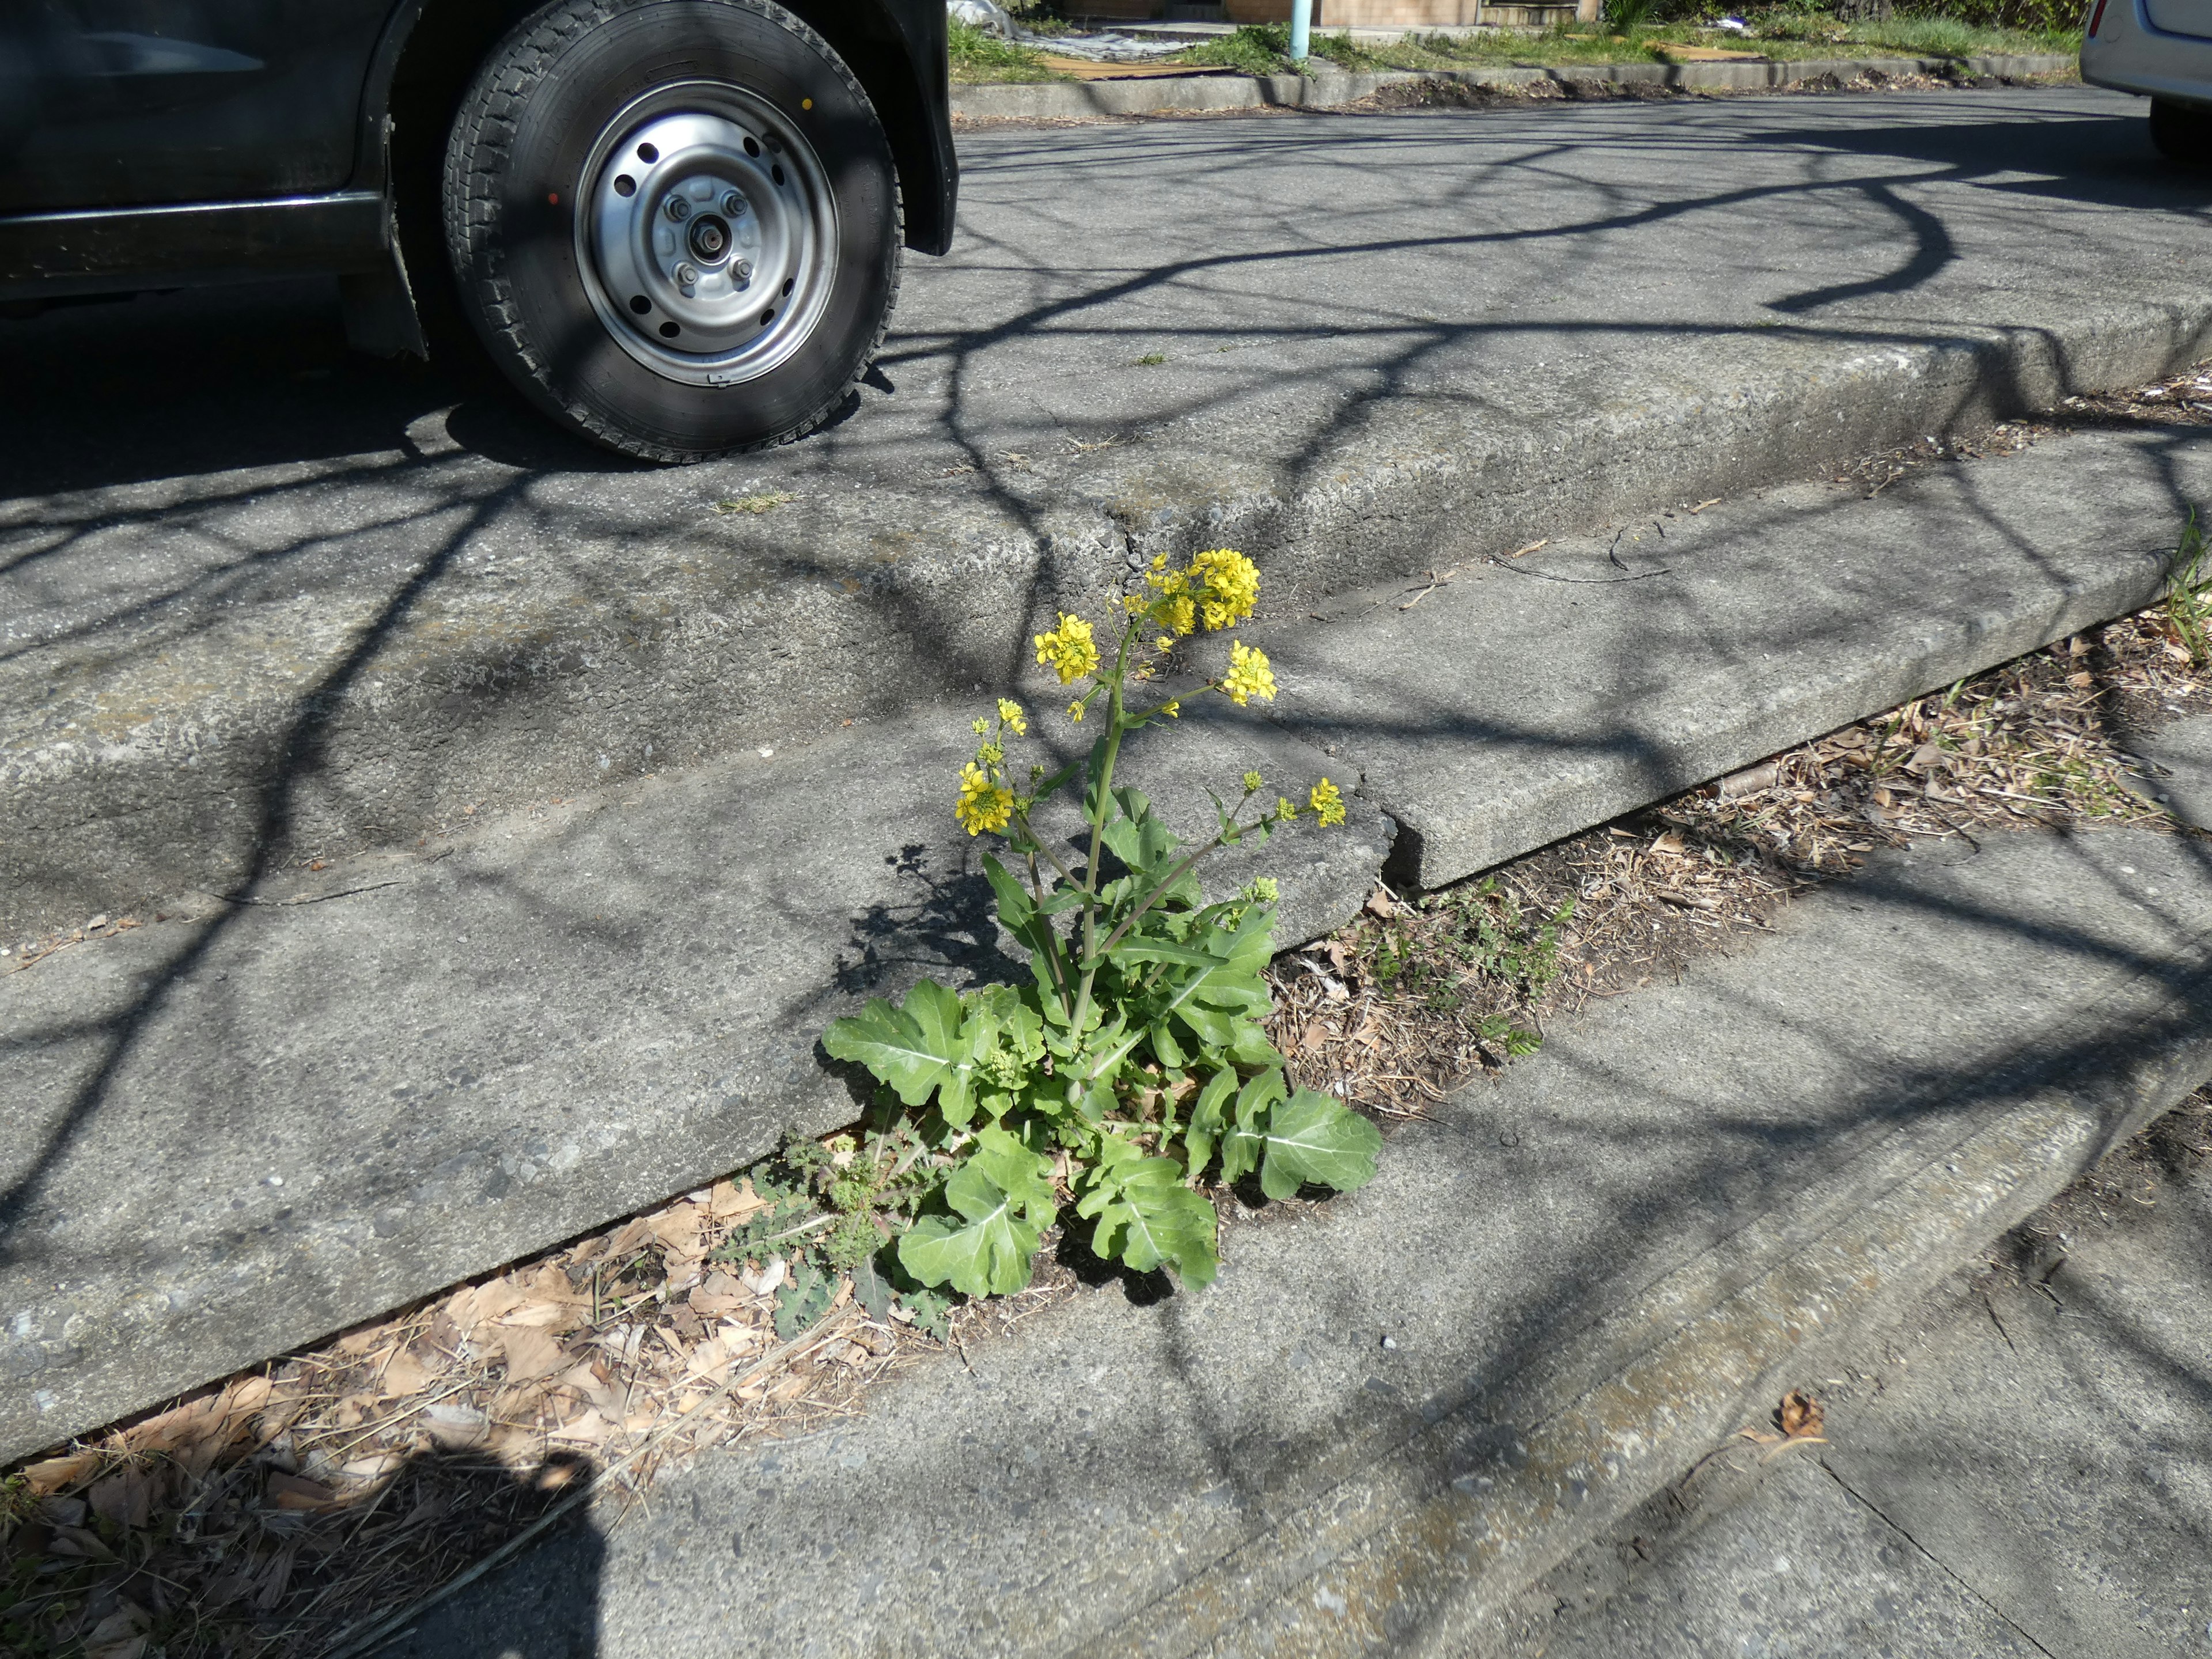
x: 1627, y: 18
x: 1150, y: 360
x: 765, y: 502
x: 831, y: 1209
x: 1498, y: 939
x: 1257, y: 49
x: 975, y: 55
x: 2188, y: 603
x: 1463, y: 947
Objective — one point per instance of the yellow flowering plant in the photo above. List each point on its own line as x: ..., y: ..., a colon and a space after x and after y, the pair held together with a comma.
x: 1132, y: 1068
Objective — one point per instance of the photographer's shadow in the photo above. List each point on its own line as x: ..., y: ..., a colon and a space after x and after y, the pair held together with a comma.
x: 542, y: 1603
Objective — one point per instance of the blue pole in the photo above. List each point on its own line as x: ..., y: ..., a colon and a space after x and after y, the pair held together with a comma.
x: 1301, y: 30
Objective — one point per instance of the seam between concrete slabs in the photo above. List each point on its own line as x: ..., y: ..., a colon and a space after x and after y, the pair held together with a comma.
x: 1329, y: 1577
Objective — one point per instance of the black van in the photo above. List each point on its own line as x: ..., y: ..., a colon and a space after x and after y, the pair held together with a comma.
x: 675, y: 225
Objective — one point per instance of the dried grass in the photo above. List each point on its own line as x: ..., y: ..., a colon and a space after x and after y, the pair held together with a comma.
x: 273, y: 1515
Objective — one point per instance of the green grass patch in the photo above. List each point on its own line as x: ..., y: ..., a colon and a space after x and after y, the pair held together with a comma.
x: 978, y: 57
x: 1257, y: 49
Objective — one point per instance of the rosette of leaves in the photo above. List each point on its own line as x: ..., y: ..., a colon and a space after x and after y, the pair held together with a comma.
x: 1132, y: 1068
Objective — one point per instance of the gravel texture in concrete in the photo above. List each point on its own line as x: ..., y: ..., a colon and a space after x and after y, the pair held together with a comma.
x: 1395, y: 1410
x: 2026, y: 1472
x: 2179, y: 775
x: 261, y: 601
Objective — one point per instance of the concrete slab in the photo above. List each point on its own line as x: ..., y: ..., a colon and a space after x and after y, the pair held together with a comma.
x: 255, y: 1123
x: 1581, y: 1271
x: 386, y: 597
x: 2055, y: 1458
x: 1530, y: 698
x: 2180, y: 779
x: 1809, y: 1571
x: 2039, y: 1450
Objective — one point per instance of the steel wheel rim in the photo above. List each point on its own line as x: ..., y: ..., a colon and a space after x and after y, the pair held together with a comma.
x: 707, y: 234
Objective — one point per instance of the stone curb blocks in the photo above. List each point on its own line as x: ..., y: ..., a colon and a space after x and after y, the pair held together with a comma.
x: 1164, y: 94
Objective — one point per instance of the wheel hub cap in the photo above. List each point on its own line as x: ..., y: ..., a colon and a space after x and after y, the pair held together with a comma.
x: 709, y: 241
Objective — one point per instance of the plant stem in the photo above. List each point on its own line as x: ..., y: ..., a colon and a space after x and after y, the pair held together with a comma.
x: 1154, y: 896
x: 1051, y: 954
x: 1103, y: 803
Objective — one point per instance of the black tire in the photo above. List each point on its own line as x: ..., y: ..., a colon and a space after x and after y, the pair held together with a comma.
x: 2182, y: 132
x: 538, y: 247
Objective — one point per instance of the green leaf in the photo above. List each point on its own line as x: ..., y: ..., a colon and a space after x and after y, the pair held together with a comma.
x: 1243, y: 1141
x: 1207, y: 1121
x: 872, y: 1290
x: 915, y: 1049
x: 1093, y: 770
x: 1023, y: 1175
x: 1165, y: 1049
x: 1091, y: 1078
x: 988, y: 1251
x: 1315, y: 1138
x: 1014, y: 906
x: 1251, y: 1047
x: 928, y: 1309
x: 801, y: 1304
x: 1148, y: 1219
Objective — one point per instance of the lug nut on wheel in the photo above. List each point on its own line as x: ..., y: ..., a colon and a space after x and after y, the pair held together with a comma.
x: 732, y: 204
x: 687, y: 275
x: 743, y: 269
x: 678, y: 209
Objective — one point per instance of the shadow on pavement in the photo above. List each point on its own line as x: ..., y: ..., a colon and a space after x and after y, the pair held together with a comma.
x: 195, y: 1553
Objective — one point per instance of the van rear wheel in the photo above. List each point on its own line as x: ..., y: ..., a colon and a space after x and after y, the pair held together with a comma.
x: 675, y: 223
x: 2182, y: 132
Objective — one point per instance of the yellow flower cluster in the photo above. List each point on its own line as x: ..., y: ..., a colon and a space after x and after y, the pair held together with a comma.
x: 1068, y: 650
x: 1218, y: 587
x: 1248, y: 675
x: 984, y: 803
x: 1010, y: 714
x: 1326, y: 803
x: 1227, y: 585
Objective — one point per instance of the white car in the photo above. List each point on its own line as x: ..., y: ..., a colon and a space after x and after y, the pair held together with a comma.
x: 2160, y: 50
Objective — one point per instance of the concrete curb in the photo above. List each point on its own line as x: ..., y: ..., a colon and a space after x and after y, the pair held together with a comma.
x: 1596, y: 1434
x: 428, y: 1068
x: 1165, y: 95
x: 165, y: 754
x: 1589, y: 1272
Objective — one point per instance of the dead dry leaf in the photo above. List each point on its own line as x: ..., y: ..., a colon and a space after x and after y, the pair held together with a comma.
x: 404, y: 1375
x: 296, y: 1491
x: 56, y: 1473
x: 589, y: 1430
x: 1799, y: 1414
x: 532, y: 1353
